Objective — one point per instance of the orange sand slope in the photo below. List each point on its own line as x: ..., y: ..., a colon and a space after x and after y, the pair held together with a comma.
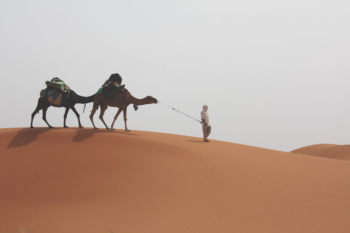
x: 330, y: 151
x: 85, y: 180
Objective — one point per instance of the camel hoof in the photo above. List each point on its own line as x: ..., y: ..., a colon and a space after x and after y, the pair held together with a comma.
x: 81, y: 127
x: 107, y: 128
x: 95, y: 128
x: 50, y: 127
x: 65, y: 127
x: 112, y: 129
x: 32, y: 127
x: 127, y: 130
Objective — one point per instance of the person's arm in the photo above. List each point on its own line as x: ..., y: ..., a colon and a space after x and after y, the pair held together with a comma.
x: 202, y: 116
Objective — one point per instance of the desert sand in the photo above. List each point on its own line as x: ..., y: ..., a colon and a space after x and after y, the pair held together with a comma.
x: 85, y: 180
x: 330, y: 151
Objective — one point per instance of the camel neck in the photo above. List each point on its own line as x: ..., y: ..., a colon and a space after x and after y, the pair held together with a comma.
x: 83, y: 100
x: 137, y: 101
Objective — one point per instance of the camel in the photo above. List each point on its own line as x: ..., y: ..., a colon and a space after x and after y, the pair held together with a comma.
x: 70, y: 102
x: 122, y: 100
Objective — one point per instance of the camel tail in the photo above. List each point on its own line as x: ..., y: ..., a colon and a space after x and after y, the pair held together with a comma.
x: 37, y: 110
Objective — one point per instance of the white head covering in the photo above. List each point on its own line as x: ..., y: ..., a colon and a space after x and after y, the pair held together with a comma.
x: 205, y: 107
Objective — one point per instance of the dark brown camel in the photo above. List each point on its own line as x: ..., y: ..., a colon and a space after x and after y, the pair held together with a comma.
x: 122, y: 101
x: 70, y: 102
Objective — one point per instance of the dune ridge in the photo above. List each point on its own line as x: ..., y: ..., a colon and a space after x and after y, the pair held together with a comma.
x: 330, y: 151
x: 85, y: 180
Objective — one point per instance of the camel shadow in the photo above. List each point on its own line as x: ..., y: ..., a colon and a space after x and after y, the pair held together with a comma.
x: 26, y: 136
x: 83, y: 134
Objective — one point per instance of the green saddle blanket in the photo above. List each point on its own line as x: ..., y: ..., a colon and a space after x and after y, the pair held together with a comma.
x: 59, y: 85
x: 109, y: 93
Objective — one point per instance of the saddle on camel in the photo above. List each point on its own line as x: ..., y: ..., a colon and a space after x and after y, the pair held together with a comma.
x: 112, y: 86
x: 58, y: 94
x: 114, y: 94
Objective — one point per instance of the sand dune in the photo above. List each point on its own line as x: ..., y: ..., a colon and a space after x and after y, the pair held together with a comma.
x: 330, y: 151
x: 85, y: 180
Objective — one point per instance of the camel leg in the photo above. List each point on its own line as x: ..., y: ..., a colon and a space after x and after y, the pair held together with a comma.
x: 94, y: 109
x: 78, y: 116
x: 44, y: 116
x: 125, y: 119
x: 115, y: 118
x: 38, y: 107
x: 65, y: 117
x: 103, y: 109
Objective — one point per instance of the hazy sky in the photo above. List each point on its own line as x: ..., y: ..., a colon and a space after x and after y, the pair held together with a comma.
x: 275, y: 74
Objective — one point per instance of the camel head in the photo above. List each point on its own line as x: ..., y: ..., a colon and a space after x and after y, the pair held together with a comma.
x: 152, y: 100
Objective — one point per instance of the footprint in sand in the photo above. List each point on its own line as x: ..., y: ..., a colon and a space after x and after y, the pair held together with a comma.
x: 22, y: 231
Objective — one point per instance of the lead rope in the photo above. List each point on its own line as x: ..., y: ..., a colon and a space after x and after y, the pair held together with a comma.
x: 179, y: 111
x: 84, y: 105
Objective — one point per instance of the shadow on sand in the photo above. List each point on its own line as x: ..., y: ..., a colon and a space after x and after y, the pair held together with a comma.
x: 194, y: 141
x: 26, y: 136
x: 83, y: 134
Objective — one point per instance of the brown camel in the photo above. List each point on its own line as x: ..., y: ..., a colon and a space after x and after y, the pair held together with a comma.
x: 122, y: 100
x: 73, y: 99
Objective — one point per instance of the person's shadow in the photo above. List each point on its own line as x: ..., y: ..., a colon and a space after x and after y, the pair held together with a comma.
x: 195, y: 140
x: 26, y: 136
x: 83, y: 134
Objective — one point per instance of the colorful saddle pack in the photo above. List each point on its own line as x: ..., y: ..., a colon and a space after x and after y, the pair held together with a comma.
x: 57, y: 92
x: 110, y: 89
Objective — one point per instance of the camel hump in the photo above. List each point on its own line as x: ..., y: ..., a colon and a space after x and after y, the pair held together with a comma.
x: 111, y: 90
